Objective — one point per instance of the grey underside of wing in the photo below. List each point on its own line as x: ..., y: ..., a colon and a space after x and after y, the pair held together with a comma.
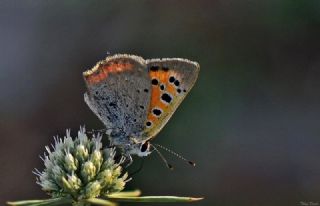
x: 121, y: 102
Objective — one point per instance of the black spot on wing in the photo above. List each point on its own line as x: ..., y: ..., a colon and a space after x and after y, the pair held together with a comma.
x: 166, y: 97
x: 154, y: 68
x: 165, y: 68
x: 157, y: 112
x: 113, y: 104
x: 154, y: 82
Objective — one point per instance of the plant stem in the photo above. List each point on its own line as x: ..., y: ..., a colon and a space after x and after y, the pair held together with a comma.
x: 97, y: 201
x: 51, y: 202
x: 155, y: 199
x: 134, y: 193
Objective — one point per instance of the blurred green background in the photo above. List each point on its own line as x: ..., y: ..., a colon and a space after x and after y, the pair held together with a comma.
x: 251, y: 123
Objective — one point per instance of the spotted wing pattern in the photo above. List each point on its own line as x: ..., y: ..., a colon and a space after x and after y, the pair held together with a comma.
x: 171, y: 80
x: 118, y: 92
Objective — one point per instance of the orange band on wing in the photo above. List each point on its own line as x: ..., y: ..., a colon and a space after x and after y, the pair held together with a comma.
x: 101, y: 72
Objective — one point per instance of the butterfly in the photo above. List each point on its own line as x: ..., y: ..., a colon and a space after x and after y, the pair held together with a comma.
x: 135, y: 98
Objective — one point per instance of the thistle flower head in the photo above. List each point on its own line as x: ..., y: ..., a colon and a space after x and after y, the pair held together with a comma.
x: 79, y: 168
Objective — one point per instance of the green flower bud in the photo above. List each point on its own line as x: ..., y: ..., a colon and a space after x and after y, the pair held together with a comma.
x: 118, y: 185
x: 81, y: 153
x: 117, y: 172
x: 105, y: 177
x: 88, y: 171
x: 70, y: 163
x: 75, y: 182
x: 96, y: 159
x: 80, y: 168
x: 92, y: 189
x: 66, y: 185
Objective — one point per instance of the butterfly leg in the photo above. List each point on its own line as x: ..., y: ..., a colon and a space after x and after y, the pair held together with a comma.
x: 93, y: 131
x: 125, y: 159
x: 128, y: 160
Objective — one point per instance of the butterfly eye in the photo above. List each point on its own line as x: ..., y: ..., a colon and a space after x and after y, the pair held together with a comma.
x: 144, y: 147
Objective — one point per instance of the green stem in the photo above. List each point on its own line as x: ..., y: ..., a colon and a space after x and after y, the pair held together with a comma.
x: 116, y: 197
x: 155, y: 199
x: 51, y: 202
x: 97, y: 201
x: 134, y: 193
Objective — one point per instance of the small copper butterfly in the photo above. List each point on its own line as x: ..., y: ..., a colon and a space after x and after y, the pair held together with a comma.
x: 135, y: 98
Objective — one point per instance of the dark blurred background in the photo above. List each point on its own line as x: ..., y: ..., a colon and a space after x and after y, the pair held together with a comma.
x: 251, y: 123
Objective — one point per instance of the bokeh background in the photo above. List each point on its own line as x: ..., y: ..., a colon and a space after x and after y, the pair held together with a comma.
x: 251, y: 123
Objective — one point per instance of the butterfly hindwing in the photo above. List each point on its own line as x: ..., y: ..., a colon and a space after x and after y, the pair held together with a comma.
x: 171, y: 80
x: 118, y: 92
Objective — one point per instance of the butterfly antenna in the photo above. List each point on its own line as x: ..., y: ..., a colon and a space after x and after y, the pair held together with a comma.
x: 176, y: 154
x: 162, y: 157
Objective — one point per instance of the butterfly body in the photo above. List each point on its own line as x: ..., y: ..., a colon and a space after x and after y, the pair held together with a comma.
x: 135, y: 98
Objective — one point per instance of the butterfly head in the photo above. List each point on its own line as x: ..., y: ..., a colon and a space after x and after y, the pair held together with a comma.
x: 141, y: 149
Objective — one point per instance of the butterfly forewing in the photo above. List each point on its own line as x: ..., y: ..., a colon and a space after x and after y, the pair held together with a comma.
x: 171, y: 80
x: 119, y: 91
